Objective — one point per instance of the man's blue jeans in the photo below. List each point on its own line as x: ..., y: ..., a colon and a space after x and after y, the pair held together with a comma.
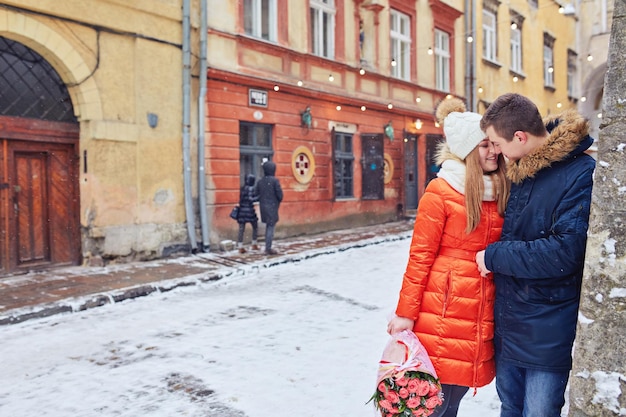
x: 530, y: 392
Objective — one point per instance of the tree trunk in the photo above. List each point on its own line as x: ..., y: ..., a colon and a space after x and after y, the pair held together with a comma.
x: 598, y: 379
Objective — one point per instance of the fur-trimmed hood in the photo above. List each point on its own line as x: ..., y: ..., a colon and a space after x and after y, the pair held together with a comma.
x: 568, y: 137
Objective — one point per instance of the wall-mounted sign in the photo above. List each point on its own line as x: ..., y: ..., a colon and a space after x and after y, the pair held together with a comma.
x: 257, y: 98
x: 342, y: 127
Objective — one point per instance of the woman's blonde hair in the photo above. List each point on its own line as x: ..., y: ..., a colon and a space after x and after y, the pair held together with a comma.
x: 475, y: 188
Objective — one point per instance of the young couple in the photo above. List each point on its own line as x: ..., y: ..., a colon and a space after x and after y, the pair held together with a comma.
x: 508, y: 243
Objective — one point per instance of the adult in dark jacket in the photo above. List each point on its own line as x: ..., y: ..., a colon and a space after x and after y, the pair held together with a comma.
x: 247, y: 213
x: 538, y: 263
x: 270, y: 195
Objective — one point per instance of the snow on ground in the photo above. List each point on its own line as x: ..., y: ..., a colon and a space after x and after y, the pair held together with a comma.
x: 299, y: 339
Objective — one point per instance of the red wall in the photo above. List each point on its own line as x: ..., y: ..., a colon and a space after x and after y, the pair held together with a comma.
x: 306, y: 208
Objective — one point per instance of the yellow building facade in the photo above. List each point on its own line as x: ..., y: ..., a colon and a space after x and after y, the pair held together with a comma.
x: 527, y: 47
x: 121, y: 189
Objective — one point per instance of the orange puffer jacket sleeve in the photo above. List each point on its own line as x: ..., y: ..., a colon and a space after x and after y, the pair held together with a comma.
x: 442, y: 290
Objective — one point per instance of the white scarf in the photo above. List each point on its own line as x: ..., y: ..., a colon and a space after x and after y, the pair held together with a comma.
x: 453, y: 172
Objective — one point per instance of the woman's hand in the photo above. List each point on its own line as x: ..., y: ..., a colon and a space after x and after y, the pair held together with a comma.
x: 397, y: 324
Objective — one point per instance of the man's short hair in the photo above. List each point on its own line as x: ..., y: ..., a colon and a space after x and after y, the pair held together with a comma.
x: 512, y: 112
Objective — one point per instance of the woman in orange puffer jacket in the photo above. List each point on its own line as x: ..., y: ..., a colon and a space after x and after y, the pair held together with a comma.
x: 443, y: 298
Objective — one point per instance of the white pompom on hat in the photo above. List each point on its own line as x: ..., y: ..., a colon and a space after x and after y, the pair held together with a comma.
x: 462, y: 128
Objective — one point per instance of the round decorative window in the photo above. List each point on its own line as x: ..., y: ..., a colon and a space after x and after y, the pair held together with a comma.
x: 303, y: 164
x: 388, y: 168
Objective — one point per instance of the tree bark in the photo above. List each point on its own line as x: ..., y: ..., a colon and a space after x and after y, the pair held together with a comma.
x: 598, y: 379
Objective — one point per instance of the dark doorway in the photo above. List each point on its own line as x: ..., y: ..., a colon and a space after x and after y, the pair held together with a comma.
x: 432, y: 168
x: 410, y: 171
x: 373, y: 167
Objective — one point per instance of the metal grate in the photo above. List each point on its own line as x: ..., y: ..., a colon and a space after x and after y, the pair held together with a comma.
x: 30, y: 87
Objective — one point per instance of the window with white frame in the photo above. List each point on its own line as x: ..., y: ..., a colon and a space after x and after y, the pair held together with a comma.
x: 259, y: 17
x: 548, y: 60
x: 490, y: 39
x: 400, y: 45
x: 572, y: 70
x: 442, y: 61
x: 323, y: 28
x: 516, y: 48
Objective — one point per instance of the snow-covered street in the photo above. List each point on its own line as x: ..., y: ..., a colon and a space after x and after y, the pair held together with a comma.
x: 299, y: 339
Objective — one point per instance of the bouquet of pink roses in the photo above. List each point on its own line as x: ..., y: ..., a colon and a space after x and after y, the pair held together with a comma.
x: 407, y: 384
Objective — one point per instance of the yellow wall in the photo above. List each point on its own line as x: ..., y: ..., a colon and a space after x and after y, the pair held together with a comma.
x: 497, y: 79
x: 120, y: 60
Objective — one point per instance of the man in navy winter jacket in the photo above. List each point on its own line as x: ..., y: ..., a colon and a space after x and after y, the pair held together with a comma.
x: 538, y: 263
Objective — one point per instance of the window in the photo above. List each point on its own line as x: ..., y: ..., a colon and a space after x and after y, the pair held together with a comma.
x: 516, y: 44
x: 344, y: 165
x: 400, y: 45
x: 548, y: 60
x: 572, y: 70
x: 323, y: 28
x: 489, y: 36
x: 255, y: 144
x: 260, y: 18
x: 442, y: 61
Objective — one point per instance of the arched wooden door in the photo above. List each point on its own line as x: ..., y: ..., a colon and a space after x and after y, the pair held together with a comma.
x: 39, y: 197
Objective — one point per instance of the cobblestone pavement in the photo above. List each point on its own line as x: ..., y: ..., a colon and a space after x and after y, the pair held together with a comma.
x: 41, y: 294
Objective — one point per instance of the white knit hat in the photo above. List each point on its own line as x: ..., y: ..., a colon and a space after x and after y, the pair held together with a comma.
x: 463, y: 132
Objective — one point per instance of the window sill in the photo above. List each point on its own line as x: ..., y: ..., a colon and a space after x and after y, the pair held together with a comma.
x: 518, y: 74
x: 491, y: 63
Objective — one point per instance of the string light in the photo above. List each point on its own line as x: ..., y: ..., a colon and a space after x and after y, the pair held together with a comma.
x: 430, y: 50
x: 418, y: 99
x: 338, y: 108
x: 276, y: 88
x: 470, y: 39
x: 300, y: 83
x: 480, y: 89
x: 331, y: 78
x: 589, y: 57
x: 362, y: 71
x: 513, y: 25
x: 390, y: 106
x: 393, y: 62
x: 363, y: 108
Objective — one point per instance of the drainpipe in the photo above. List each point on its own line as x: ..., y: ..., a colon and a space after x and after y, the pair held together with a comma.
x: 470, y: 53
x: 201, y: 115
x: 189, y: 214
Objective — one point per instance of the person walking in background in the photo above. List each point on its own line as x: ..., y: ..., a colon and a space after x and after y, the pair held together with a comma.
x: 270, y: 195
x: 538, y: 263
x: 443, y: 298
x: 247, y: 213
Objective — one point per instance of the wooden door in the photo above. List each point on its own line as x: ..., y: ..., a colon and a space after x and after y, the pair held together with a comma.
x: 38, y: 198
